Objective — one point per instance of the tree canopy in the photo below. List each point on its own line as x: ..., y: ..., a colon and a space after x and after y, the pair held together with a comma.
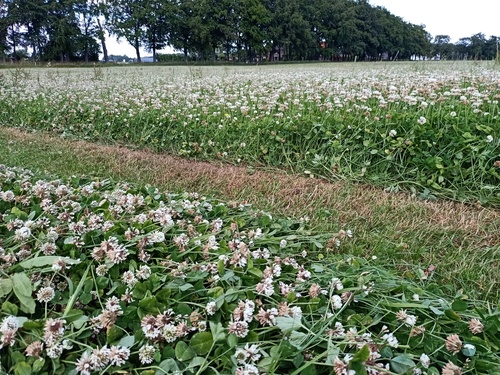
x: 233, y: 30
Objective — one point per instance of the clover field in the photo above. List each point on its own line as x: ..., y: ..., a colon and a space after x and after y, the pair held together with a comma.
x: 103, y: 276
x: 429, y: 127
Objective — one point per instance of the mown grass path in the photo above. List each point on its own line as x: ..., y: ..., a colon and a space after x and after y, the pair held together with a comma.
x: 462, y: 242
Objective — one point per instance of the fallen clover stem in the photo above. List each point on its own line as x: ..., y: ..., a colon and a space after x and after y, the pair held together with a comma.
x: 304, y: 366
x: 73, y: 298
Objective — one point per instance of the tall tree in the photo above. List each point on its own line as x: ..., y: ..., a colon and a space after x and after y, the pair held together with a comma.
x: 477, y: 46
x: 337, y: 29
x: 253, y: 20
x: 188, y: 27
x: 14, y: 25
x: 491, y: 47
x: 4, y: 24
x: 462, y: 47
x: 62, y: 29
x: 290, y: 32
x: 127, y: 20
x: 99, y: 9
x: 156, y: 26
x: 31, y: 15
x: 442, y: 47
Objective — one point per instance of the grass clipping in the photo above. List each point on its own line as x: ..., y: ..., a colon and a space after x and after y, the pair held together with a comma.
x: 104, y: 277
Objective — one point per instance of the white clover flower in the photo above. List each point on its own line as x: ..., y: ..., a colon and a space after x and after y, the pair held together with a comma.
x: 336, y: 284
x: 45, y: 294
x: 202, y: 326
x: 425, y: 360
x: 170, y: 332
x: 146, y: 354
x: 391, y: 340
x: 55, y: 351
x: 211, y: 308
x: 118, y: 355
x: 101, y: 270
x: 283, y: 243
x: 52, y: 235
x: 84, y: 365
x: 336, y: 302
x: 411, y: 320
x: 453, y: 114
x: 393, y: 133
x: 212, y: 243
x: 296, y: 312
x: 249, y: 369
x: 129, y: 278
x: 239, y: 328
x: 240, y: 356
x: 422, y: 120
x: 489, y: 139
x: 248, y: 312
x: 113, y: 305
x: 23, y: 233
x: 157, y: 237
x: 265, y: 287
x: 9, y: 323
x: 143, y: 273
x: 7, y: 196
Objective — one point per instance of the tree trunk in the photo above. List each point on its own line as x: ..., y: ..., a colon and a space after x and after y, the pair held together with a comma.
x: 103, y: 40
x: 185, y: 53
x: 13, y: 42
x: 137, y: 52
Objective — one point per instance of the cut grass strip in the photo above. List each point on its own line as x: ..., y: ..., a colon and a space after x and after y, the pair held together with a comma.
x: 461, y: 241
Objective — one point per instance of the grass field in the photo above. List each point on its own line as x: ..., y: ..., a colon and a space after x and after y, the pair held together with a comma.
x: 329, y: 150
x: 424, y: 127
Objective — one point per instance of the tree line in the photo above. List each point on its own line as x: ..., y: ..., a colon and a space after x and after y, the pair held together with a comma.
x: 476, y: 47
x: 232, y: 30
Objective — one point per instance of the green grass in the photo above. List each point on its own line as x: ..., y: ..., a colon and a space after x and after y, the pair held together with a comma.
x: 406, y: 234
x: 431, y: 129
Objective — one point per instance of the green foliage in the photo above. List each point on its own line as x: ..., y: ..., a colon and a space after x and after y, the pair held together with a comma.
x: 181, y: 283
x: 242, y: 30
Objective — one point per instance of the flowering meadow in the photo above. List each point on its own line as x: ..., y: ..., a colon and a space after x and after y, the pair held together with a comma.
x: 429, y: 127
x: 106, y: 277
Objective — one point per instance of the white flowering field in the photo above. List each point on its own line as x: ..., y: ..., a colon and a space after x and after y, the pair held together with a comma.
x: 432, y: 128
x: 106, y: 277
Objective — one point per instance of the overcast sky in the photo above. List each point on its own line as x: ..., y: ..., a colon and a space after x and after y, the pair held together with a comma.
x: 456, y: 18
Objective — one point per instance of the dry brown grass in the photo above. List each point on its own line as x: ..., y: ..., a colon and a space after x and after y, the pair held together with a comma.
x: 285, y: 194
